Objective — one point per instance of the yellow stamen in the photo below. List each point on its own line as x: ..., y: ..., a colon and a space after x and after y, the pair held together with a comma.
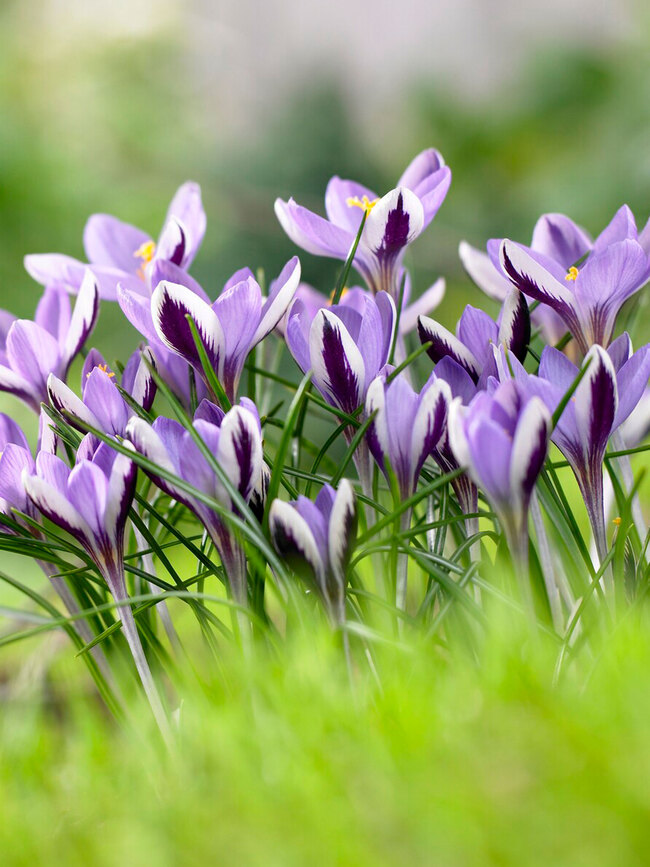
x: 617, y: 522
x: 344, y: 292
x: 104, y: 369
x: 572, y: 273
x: 364, y: 203
x: 145, y: 251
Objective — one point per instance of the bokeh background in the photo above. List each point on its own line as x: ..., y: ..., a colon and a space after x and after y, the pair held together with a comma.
x: 108, y: 105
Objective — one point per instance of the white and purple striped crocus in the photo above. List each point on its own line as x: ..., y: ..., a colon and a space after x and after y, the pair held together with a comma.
x: 345, y: 345
x: 316, y: 538
x: 557, y: 238
x: 588, y: 297
x: 614, y: 383
x: 230, y: 327
x: 31, y: 350
x: 234, y: 439
x: 406, y: 427
x: 392, y: 222
x: 502, y: 439
x: 101, y: 404
x: 119, y: 253
x: 91, y: 502
x: 476, y: 334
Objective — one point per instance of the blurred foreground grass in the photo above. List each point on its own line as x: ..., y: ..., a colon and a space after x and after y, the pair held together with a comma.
x: 452, y: 762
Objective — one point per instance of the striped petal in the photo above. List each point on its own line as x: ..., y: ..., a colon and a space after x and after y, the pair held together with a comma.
x: 514, y: 324
x: 294, y: 540
x: 339, y: 370
x: 342, y: 530
x: 84, y: 317
x: 446, y: 344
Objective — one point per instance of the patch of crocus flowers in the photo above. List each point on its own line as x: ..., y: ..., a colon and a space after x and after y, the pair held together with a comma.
x: 462, y: 423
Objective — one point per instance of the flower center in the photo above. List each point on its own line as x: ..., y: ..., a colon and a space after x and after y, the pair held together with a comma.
x: 145, y: 252
x: 104, y: 369
x: 572, y: 273
x: 364, y: 203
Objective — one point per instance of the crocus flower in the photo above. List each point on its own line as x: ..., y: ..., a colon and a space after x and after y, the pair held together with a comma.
x: 91, y: 502
x: 555, y: 237
x: 614, y: 383
x: 34, y: 349
x: 502, y: 440
x: 230, y: 327
x: 235, y: 440
x: 119, y: 253
x: 345, y: 345
x: 587, y: 298
x: 407, y: 425
x: 392, y: 222
x: 101, y: 405
x: 317, y: 538
x: 422, y: 306
x: 477, y: 333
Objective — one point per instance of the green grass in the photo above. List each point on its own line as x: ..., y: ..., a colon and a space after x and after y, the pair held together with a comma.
x: 281, y: 762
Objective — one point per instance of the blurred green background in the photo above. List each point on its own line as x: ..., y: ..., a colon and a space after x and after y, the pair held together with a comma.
x: 110, y: 108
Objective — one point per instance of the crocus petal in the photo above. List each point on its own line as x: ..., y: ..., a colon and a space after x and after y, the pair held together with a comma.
x: 161, y: 447
x: 137, y: 379
x: 88, y: 494
x: 342, y: 528
x: 422, y: 306
x: 280, y: 297
x: 240, y: 449
x: 84, y: 317
x: 210, y: 412
x: 621, y: 227
x: 444, y: 343
x: 172, y: 243
x: 65, y: 401
x: 187, y: 208
x: 457, y: 378
x: 514, y: 325
x: 137, y: 309
x: 476, y: 330
x: 395, y: 221
x: 121, y: 488
x: 596, y: 401
x: 429, y: 423
x: 15, y: 384
x: 11, y: 432
x: 632, y: 380
x: 105, y: 402
x: 529, y: 449
x: 32, y: 353
x: 238, y: 310
x: 534, y: 280
x: 53, y: 313
x: 297, y: 336
x: 162, y: 269
x: 377, y: 434
x: 337, y: 208
x: 421, y: 167
x: 109, y: 241
x: 559, y: 238
x: 14, y: 460
x: 311, y: 232
x: 170, y: 304
x: 293, y: 538
x: 481, y: 271
x: 338, y: 366
x: 52, y: 269
x: 56, y: 506
x: 620, y: 350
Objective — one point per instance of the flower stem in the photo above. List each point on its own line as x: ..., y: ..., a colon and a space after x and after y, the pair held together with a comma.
x: 401, y: 580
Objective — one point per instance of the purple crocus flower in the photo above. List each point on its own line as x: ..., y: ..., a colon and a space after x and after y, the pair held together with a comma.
x: 317, y: 538
x: 34, y: 349
x: 613, y: 385
x: 587, y: 298
x: 345, y: 345
x: 119, y: 253
x: 393, y: 221
x: 422, y: 306
x: 235, y: 440
x: 477, y: 333
x: 101, y: 405
x: 502, y: 440
x: 230, y: 327
x: 555, y: 237
x: 91, y: 502
x: 407, y: 425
